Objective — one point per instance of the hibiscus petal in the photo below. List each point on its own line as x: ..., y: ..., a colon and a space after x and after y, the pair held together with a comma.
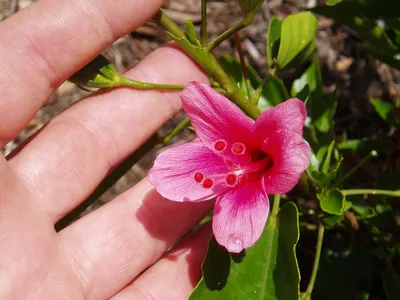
x: 288, y: 115
x: 213, y: 116
x: 174, y: 169
x: 290, y: 157
x: 240, y: 216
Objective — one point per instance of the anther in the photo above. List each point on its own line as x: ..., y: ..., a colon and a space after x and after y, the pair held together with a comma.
x: 207, y: 183
x: 199, y: 177
x: 220, y: 145
x: 231, y: 179
x: 238, y: 148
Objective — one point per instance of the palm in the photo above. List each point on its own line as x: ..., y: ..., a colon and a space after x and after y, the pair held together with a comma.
x: 102, y: 254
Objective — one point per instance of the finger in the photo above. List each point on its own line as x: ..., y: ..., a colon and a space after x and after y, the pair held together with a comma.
x: 25, y: 237
x: 175, y: 275
x: 111, y: 246
x: 44, y: 44
x: 69, y: 158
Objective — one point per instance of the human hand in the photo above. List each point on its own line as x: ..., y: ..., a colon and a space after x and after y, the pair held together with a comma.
x: 106, y: 253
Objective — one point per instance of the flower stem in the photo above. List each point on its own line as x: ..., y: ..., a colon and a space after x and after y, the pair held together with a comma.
x: 208, y: 63
x: 127, y: 82
x: 244, y: 67
x: 275, y: 205
x: 231, y: 31
x: 182, y: 125
x: 203, y: 26
x: 373, y: 153
x: 371, y: 192
x: 310, y: 286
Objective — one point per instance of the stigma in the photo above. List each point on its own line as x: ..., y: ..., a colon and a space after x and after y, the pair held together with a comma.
x: 251, y: 166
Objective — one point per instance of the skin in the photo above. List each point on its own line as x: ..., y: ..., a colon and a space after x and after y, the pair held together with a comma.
x: 120, y: 250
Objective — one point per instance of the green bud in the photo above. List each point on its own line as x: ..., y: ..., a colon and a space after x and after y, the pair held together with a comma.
x: 250, y: 6
x: 99, y: 73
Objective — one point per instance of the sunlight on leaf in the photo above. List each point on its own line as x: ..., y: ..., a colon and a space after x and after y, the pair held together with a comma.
x: 276, y: 275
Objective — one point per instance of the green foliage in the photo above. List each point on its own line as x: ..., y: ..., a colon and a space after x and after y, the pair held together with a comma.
x: 345, y: 273
x: 190, y: 33
x: 333, y: 2
x: 273, y: 40
x: 272, y: 92
x: 323, y: 170
x: 361, y: 16
x: 360, y: 207
x: 233, y: 68
x: 297, y: 41
x: 332, y: 202
x: 268, y: 270
x: 366, y: 145
x: 320, y: 108
x: 385, y: 111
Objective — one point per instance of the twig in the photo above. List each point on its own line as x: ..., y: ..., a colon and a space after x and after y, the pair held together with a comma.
x: 244, y: 67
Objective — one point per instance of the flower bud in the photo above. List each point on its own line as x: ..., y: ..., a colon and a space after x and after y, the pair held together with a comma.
x: 99, y: 73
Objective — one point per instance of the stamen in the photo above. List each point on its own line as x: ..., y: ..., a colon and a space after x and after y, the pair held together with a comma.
x: 207, y: 183
x: 238, y: 148
x: 220, y: 145
x: 198, y: 177
x: 231, y: 179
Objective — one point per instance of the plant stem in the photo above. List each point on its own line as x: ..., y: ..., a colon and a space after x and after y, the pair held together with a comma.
x: 109, y: 181
x: 182, y: 125
x: 208, y: 63
x: 244, y: 68
x: 231, y: 31
x: 275, y: 205
x: 373, y: 153
x: 203, y: 26
x: 127, y: 82
x: 371, y: 192
x: 310, y: 286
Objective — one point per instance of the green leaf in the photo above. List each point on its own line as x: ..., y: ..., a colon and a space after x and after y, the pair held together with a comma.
x: 250, y: 6
x: 333, y: 2
x: 274, y: 35
x: 382, y: 108
x: 332, y: 202
x: 391, y: 283
x: 233, y: 68
x: 322, y: 171
x: 268, y: 270
x: 371, y: 9
x: 273, y: 93
x: 190, y: 33
x: 320, y: 109
x: 366, y: 145
x: 332, y: 220
x: 327, y: 162
x: 322, y: 114
x: 360, y: 207
x: 385, y: 111
x: 297, y: 38
x: 361, y: 17
x: 310, y: 81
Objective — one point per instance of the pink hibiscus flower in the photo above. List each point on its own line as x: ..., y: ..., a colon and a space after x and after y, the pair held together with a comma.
x: 236, y: 160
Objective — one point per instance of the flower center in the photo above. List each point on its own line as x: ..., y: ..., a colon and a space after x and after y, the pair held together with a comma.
x: 252, y: 168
